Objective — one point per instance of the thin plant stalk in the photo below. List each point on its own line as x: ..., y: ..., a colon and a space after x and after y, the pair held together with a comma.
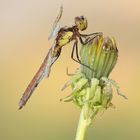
x: 82, y: 126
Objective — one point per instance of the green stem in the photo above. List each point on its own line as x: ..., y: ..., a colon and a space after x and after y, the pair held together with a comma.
x: 85, y: 119
x: 82, y: 126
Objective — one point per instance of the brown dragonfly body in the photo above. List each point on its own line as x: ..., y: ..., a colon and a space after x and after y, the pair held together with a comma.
x: 63, y: 36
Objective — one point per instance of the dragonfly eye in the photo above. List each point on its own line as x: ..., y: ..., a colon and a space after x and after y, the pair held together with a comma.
x: 81, y: 22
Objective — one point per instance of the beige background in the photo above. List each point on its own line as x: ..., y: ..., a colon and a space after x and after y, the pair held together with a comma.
x: 24, y: 28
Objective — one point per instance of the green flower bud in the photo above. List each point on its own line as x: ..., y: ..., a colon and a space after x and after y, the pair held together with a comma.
x: 100, y: 55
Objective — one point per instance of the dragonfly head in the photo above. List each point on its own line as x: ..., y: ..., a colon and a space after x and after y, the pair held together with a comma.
x: 81, y: 22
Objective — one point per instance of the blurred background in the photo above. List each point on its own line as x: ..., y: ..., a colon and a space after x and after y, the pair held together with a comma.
x: 24, y: 29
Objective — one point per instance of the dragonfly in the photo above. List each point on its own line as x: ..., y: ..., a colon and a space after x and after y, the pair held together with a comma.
x: 63, y: 36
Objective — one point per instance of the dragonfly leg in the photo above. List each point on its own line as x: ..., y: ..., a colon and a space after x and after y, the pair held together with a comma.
x: 77, y: 55
x: 72, y: 54
x: 89, y: 37
x: 78, y: 60
x: 92, y: 34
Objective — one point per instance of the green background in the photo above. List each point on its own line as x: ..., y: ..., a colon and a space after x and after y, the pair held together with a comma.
x: 24, y: 28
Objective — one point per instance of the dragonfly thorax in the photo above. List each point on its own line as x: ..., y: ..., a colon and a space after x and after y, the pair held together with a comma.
x: 65, y: 35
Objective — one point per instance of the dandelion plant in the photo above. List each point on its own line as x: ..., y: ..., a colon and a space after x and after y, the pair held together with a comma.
x: 92, y: 88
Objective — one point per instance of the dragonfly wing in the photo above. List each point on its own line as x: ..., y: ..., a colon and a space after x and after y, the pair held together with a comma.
x: 43, y: 71
x: 51, y: 59
x: 56, y: 25
x: 54, y: 32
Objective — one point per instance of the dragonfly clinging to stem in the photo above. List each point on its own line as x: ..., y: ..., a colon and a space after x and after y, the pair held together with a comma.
x: 62, y: 36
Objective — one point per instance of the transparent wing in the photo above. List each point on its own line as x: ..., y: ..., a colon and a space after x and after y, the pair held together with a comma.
x: 54, y: 32
x: 56, y: 25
